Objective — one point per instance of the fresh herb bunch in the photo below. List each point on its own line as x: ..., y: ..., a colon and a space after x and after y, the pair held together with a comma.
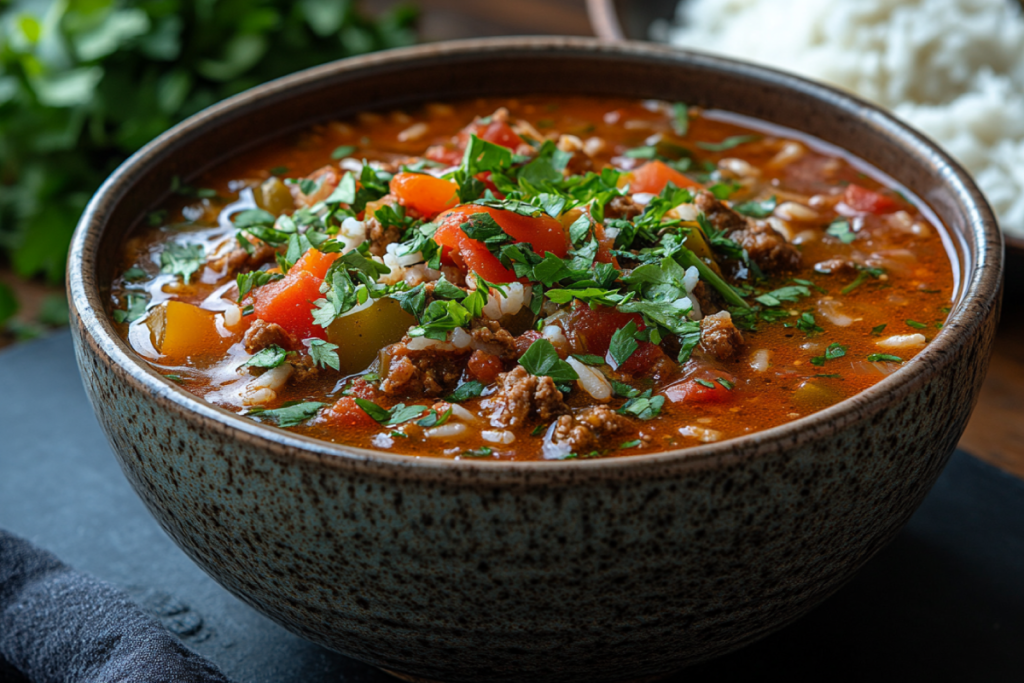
x: 85, y: 83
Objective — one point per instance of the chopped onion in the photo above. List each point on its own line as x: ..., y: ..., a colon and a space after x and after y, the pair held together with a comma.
x: 592, y: 381
x: 502, y: 436
x: 451, y: 430
x: 902, y: 341
x: 760, y: 360
x: 702, y: 434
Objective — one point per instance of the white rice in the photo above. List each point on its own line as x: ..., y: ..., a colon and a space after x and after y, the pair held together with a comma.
x: 952, y: 68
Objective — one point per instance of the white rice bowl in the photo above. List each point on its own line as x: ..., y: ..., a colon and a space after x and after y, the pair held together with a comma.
x: 953, y: 69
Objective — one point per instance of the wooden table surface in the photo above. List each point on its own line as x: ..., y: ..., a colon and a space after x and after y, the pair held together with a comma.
x: 996, y: 430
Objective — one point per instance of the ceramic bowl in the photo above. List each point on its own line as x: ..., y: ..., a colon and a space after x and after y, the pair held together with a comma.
x: 600, y: 570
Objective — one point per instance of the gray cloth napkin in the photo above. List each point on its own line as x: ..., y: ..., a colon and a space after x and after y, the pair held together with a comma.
x: 61, y: 626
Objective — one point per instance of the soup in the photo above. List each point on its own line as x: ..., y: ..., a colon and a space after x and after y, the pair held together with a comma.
x: 537, y: 278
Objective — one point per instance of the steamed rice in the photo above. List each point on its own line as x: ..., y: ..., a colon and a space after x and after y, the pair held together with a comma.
x: 954, y: 69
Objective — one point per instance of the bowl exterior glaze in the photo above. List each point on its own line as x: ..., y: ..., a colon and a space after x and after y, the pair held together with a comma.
x: 576, y: 571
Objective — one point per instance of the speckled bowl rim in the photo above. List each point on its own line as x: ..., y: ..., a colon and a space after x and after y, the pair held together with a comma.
x: 979, y: 294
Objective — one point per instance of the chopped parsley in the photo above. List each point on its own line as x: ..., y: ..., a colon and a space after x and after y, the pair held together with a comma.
x: 290, y: 415
x: 465, y: 391
x: 396, y: 415
x: 916, y: 325
x: 757, y: 209
x: 833, y: 351
x: 324, y: 354
x: 182, y: 259
x: 728, y: 143
x: 541, y: 359
x: 841, y: 230
x: 875, y: 357
x: 270, y: 357
x: 135, y: 308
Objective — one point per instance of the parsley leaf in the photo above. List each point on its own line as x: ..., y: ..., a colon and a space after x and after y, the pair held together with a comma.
x: 757, y: 209
x: 916, y: 325
x: 249, y: 281
x: 181, y: 259
x: 541, y: 359
x: 397, y: 415
x: 135, y: 308
x: 324, y: 354
x: 644, y: 406
x: 833, y: 351
x: 875, y: 357
x: 588, y: 358
x: 482, y: 452
x: 623, y: 344
x: 728, y: 143
x: 465, y: 391
x: 342, y: 151
x: 840, y: 229
x: 270, y: 357
x: 289, y: 416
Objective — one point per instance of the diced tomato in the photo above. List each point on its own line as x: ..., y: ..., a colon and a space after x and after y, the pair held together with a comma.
x: 484, y: 366
x: 478, y: 259
x: 449, y: 155
x: 863, y: 200
x: 525, y: 341
x: 590, y: 331
x: 497, y: 132
x: 653, y: 176
x: 289, y: 303
x: 424, y: 193
x: 315, y: 262
x: 691, y: 391
x: 604, y: 246
x: 346, y: 413
x: 543, y: 233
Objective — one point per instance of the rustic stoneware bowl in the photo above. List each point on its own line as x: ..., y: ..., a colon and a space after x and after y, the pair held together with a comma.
x: 602, y: 570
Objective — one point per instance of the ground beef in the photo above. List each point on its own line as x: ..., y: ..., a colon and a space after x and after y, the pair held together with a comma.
x: 709, y: 300
x: 622, y: 207
x: 836, y: 266
x: 423, y: 372
x: 521, y: 396
x: 589, y: 429
x: 765, y: 247
x: 262, y: 335
x: 498, y: 340
x: 238, y: 260
x: 719, y: 336
x: 718, y: 214
x: 303, y: 368
x: 380, y: 237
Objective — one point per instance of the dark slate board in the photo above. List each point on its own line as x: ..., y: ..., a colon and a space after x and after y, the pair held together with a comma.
x: 944, y: 602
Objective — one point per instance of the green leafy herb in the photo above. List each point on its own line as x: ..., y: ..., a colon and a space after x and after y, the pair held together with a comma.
x: 630, y: 444
x: 135, y: 308
x: 465, y: 391
x: 342, y: 151
x: 588, y: 358
x: 181, y: 259
x: 482, y: 452
x: 270, y: 357
x: 623, y: 344
x: 916, y: 325
x: 841, y: 230
x: 292, y: 415
x: 434, y: 420
x: 250, y: 281
x: 324, y: 354
x: 757, y: 209
x: 728, y: 143
x: 705, y: 383
x: 176, y: 378
x: 876, y: 357
x: 541, y: 359
x: 644, y: 406
x: 833, y: 351
x: 397, y: 415
x: 680, y: 119
x: 725, y: 383
x: 134, y: 274
x: 877, y: 330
